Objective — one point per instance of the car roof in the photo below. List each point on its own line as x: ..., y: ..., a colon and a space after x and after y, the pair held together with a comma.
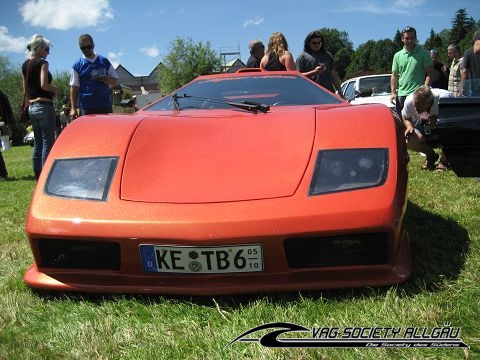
x: 366, y: 76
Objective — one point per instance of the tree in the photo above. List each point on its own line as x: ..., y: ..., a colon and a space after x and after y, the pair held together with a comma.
x: 11, y: 84
x: 462, y: 25
x: 373, y: 56
x: 185, y: 62
x: 62, y: 81
x: 397, y: 39
x: 434, y: 41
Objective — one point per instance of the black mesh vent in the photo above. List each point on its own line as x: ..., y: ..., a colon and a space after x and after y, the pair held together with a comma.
x: 77, y: 254
x: 361, y: 249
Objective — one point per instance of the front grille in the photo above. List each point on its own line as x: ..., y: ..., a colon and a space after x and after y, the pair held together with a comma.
x: 77, y: 254
x: 359, y: 249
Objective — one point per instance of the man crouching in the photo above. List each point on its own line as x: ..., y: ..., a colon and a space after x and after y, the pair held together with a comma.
x: 419, y: 113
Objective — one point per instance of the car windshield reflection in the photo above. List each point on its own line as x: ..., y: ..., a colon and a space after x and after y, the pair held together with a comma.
x: 282, y: 90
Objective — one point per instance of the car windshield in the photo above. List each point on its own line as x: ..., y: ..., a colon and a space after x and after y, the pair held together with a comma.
x: 223, y: 92
x: 378, y: 85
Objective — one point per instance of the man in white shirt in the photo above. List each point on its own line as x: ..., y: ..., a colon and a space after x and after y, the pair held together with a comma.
x: 419, y: 113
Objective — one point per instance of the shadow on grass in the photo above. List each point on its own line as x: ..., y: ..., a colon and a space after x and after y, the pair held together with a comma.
x: 438, y: 247
x: 438, y: 250
x: 17, y: 178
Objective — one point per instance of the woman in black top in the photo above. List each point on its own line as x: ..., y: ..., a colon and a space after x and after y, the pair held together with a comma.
x: 39, y: 93
x: 277, y: 56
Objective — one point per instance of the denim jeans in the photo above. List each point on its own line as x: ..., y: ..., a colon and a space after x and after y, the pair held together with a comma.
x: 399, y: 105
x: 42, y: 116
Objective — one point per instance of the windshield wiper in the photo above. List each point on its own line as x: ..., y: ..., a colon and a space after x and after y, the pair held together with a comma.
x: 249, y: 105
x: 244, y: 105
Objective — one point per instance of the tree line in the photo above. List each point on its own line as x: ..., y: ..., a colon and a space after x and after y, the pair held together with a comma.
x: 186, y: 59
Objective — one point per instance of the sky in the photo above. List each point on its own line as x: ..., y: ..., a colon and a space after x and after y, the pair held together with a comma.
x: 139, y: 34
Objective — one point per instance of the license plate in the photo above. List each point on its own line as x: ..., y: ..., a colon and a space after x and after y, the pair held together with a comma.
x: 202, y: 260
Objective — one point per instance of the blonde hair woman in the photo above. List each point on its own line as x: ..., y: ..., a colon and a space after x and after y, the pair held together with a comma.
x: 277, y: 56
x: 38, y: 94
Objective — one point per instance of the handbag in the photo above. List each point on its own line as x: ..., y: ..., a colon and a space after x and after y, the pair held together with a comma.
x: 24, y: 116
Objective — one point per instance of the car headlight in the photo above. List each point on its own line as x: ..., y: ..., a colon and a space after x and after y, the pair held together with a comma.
x: 349, y: 169
x: 82, y: 178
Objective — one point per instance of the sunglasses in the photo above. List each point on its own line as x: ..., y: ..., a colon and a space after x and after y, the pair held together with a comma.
x: 47, y: 49
x: 409, y: 29
x: 316, y: 42
x: 86, y: 47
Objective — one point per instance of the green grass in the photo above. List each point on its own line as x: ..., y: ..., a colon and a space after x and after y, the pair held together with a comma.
x: 444, y: 226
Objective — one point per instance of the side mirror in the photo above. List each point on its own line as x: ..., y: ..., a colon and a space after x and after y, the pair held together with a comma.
x: 127, y: 103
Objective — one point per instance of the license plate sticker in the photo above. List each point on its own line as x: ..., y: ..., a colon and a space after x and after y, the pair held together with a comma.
x: 202, y: 260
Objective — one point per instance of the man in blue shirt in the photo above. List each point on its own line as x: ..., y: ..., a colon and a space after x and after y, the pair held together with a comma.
x: 90, y: 81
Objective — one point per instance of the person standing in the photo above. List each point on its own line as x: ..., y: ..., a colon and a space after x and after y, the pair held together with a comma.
x: 90, y: 81
x: 440, y: 71
x: 39, y: 93
x: 455, y: 77
x: 316, y: 63
x: 257, y: 50
x: 470, y: 68
x: 64, y: 116
x: 411, y: 67
x: 6, y: 121
x: 277, y: 56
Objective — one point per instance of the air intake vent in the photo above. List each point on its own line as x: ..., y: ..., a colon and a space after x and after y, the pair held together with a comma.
x: 77, y: 254
x: 361, y: 249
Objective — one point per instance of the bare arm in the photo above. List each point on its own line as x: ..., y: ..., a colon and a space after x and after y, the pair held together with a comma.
x: 316, y: 71
x: 429, y: 75
x: 25, y: 92
x: 263, y: 62
x: 289, y: 62
x: 73, y: 101
x: 44, y: 80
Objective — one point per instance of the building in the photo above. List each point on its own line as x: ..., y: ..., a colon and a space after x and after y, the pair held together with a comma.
x: 136, y: 83
x: 234, y: 65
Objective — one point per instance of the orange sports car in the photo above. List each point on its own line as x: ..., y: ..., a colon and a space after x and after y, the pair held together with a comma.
x: 235, y: 183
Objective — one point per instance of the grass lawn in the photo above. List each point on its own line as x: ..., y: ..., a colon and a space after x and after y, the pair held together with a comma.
x: 443, y: 220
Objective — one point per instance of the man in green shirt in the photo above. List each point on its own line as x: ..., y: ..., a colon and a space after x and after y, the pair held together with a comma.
x: 411, y: 67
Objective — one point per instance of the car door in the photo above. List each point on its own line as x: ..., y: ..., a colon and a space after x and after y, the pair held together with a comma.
x: 459, y: 134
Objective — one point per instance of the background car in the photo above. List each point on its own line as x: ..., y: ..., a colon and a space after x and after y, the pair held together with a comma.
x: 368, y: 89
x: 459, y: 134
x: 235, y: 183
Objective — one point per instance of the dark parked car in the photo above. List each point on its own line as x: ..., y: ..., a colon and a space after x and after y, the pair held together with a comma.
x: 459, y: 134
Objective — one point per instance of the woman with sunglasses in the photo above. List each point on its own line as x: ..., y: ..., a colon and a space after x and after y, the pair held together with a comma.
x: 316, y: 63
x: 90, y: 81
x: 38, y: 94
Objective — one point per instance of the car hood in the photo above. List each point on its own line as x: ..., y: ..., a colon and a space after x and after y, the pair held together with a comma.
x: 225, y: 156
